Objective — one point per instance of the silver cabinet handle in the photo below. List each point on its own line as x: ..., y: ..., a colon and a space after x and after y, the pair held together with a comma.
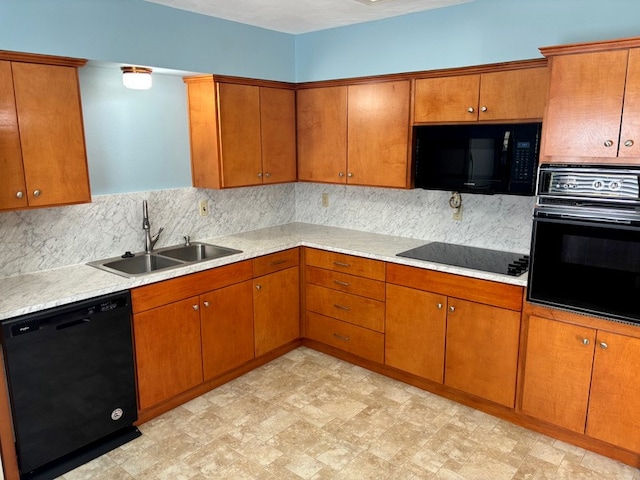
x: 340, y: 174
x: 439, y: 306
x: 483, y: 109
x: 603, y: 345
x: 260, y: 175
x: 471, y: 110
x: 341, y: 264
x: 341, y: 307
x: 343, y: 284
x: 628, y: 143
x: 258, y: 287
x: 452, y: 308
x: 205, y: 303
x: 19, y: 195
x: 608, y: 143
x: 36, y: 193
x: 350, y: 175
x: 267, y: 174
x: 585, y: 341
x: 196, y: 307
x: 341, y: 337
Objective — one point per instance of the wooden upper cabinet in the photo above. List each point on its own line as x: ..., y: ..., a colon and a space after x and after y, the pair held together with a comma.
x: 322, y: 134
x: 593, y: 112
x: 557, y: 372
x: 378, y: 134
x: 355, y: 134
x: 510, y: 95
x: 43, y: 156
x: 241, y: 134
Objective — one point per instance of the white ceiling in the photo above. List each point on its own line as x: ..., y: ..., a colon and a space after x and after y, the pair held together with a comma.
x: 301, y: 16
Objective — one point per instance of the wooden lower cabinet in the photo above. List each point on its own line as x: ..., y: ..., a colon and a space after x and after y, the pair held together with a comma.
x: 167, y: 350
x: 227, y: 328
x: 416, y: 323
x: 276, y: 306
x: 482, y: 350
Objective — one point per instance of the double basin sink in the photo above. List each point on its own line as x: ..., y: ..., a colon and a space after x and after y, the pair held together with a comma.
x: 133, y: 265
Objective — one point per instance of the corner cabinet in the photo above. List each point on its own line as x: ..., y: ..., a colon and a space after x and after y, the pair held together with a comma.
x: 593, y: 113
x: 242, y: 132
x: 355, y: 134
x: 43, y: 159
x: 517, y: 94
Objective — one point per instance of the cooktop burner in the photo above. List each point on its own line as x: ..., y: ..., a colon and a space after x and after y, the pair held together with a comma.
x: 493, y: 261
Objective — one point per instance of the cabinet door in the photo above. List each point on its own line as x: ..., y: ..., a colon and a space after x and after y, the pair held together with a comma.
x: 276, y: 309
x: 630, y: 133
x: 585, y: 104
x: 415, y: 331
x: 168, y: 351
x: 614, y: 403
x: 12, y: 186
x: 557, y: 372
x: 482, y: 350
x: 227, y: 328
x: 51, y: 134
x: 378, y: 134
x: 513, y: 94
x: 322, y: 134
x: 240, y: 142
x: 278, y: 127
x: 447, y: 99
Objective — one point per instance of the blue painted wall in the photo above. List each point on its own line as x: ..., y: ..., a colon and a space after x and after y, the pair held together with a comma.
x: 475, y: 33
x: 139, y: 140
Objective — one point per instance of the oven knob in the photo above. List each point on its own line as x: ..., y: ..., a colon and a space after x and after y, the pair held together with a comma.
x: 598, y: 184
x: 615, y: 185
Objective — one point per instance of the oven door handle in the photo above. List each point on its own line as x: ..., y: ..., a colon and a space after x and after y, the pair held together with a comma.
x: 582, y: 217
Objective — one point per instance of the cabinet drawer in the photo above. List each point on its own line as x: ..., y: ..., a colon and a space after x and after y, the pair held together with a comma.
x: 340, y: 262
x: 274, y: 262
x: 344, y: 306
x: 162, y: 293
x: 350, y: 338
x: 346, y: 283
x: 482, y: 291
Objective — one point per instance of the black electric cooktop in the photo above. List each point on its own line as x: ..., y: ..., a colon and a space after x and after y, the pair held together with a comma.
x: 493, y: 261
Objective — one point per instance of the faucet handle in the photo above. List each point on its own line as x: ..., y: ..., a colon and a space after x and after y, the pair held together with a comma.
x: 187, y: 240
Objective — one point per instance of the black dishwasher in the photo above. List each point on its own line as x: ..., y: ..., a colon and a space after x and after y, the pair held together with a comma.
x: 71, y: 383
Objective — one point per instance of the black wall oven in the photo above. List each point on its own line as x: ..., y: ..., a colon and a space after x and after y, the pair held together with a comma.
x: 585, y: 252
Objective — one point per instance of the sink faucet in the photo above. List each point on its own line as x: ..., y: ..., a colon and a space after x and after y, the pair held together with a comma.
x: 149, y: 241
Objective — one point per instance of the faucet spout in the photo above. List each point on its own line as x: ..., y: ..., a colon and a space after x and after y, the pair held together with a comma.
x: 149, y: 240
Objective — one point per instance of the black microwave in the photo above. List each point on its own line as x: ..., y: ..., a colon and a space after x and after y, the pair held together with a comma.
x: 477, y: 158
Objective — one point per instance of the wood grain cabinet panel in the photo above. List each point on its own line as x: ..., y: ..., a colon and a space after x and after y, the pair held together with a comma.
x: 341, y: 262
x: 42, y: 136
x: 415, y: 330
x: 557, y: 372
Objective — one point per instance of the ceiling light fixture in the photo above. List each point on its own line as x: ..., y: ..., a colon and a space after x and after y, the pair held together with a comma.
x: 137, y: 78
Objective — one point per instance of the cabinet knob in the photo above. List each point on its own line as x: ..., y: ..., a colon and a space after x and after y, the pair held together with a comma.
x: 439, y: 306
x: 258, y: 287
x: 603, y: 345
x: 205, y: 303
x: 340, y: 174
x: 36, y: 193
x: 267, y: 174
x: 585, y: 341
x: 260, y: 175
x: 628, y: 143
x: 483, y: 109
x: 350, y: 175
x: 19, y: 195
x: 608, y: 143
x: 471, y: 109
x: 452, y: 308
x: 196, y: 307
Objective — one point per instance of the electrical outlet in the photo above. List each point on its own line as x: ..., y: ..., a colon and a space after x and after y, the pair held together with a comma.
x: 325, y: 199
x: 457, y: 213
x: 203, y: 208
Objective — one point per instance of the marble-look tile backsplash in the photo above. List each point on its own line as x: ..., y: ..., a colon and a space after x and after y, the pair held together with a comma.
x: 47, y: 238
x: 499, y: 222
x: 42, y: 239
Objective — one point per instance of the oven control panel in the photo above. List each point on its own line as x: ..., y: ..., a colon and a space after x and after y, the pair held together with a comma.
x: 589, y: 183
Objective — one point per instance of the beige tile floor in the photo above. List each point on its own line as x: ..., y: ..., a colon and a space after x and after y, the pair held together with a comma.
x: 308, y: 415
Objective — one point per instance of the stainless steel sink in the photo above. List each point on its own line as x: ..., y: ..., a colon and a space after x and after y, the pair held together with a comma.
x: 196, y: 252
x: 162, y: 259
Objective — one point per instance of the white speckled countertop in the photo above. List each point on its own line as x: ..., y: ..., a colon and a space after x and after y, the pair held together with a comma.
x: 38, y: 291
